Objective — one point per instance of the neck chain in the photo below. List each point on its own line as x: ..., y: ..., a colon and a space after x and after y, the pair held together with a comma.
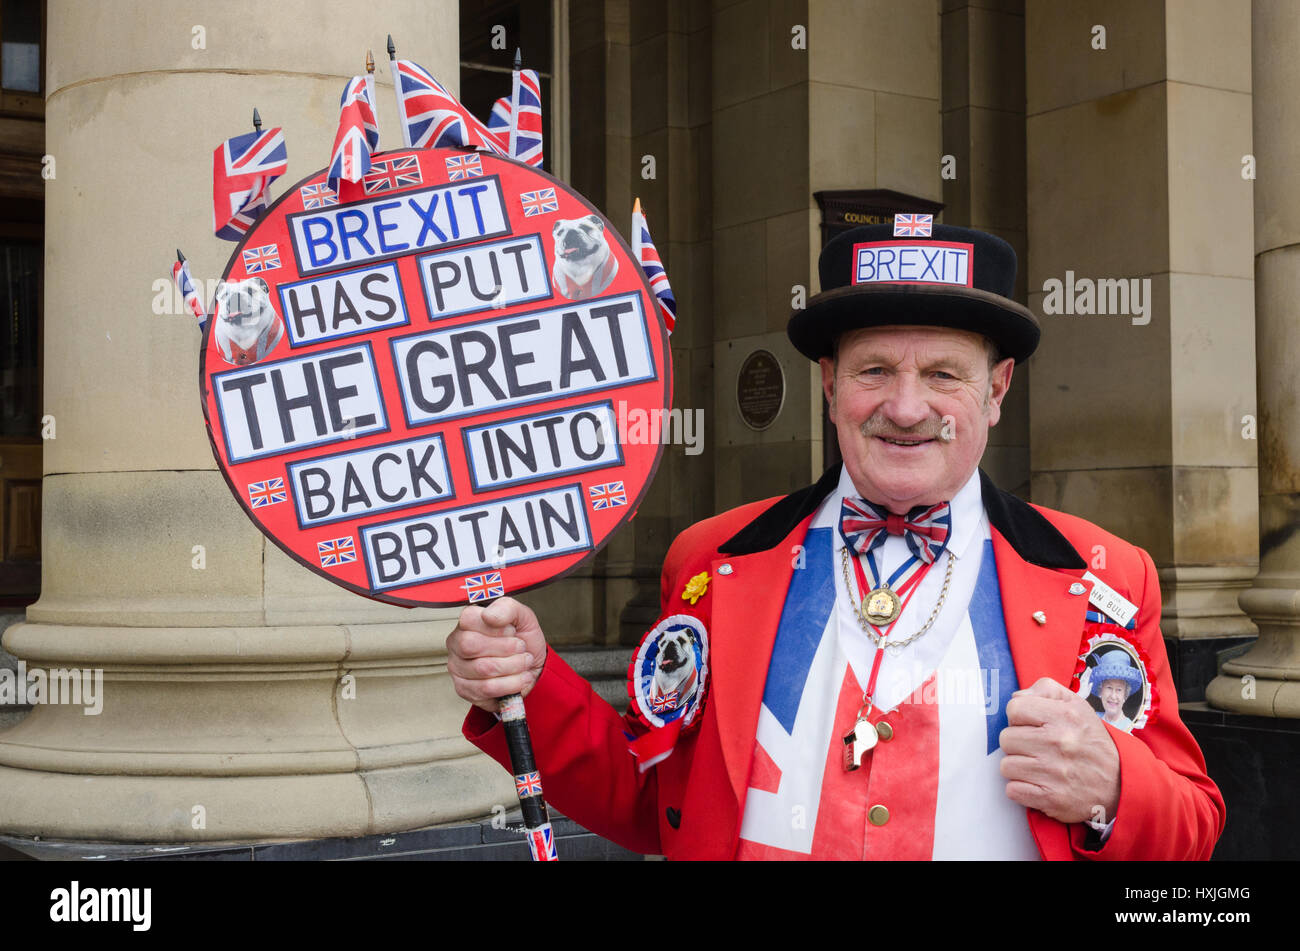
x: 869, y: 628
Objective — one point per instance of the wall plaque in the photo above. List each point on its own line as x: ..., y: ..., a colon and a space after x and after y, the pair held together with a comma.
x: 760, y: 390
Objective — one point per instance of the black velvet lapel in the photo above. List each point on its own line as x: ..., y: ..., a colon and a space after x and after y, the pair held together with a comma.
x: 1034, y: 538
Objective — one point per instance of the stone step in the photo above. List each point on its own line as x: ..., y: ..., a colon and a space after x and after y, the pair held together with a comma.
x: 605, y: 668
x: 13, y: 714
x: 490, y: 839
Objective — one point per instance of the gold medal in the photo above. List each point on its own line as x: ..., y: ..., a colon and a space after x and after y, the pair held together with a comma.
x: 882, y: 606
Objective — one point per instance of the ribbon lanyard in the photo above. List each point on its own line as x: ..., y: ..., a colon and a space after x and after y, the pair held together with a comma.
x: 904, y: 591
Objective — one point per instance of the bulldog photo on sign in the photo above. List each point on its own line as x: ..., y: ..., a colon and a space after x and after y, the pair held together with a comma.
x: 247, y: 327
x: 583, y: 265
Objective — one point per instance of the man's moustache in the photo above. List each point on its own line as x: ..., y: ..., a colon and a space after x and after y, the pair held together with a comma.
x: 927, y: 429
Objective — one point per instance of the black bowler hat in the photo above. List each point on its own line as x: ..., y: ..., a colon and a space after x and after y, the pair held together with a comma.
x: 874, y: 276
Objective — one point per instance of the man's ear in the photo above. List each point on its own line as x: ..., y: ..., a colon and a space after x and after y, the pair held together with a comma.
x: 828, y: 383
x: 999, y: 383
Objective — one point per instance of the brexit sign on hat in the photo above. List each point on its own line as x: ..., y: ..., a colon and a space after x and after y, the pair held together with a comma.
x: 906, y: 262
x: 914, y: 272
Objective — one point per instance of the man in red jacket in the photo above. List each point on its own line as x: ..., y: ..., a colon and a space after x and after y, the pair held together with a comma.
x: 896, y: 662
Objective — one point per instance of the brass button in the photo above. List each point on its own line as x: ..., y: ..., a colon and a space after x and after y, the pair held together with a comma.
x: 877, y: 815
x: 884, y: 730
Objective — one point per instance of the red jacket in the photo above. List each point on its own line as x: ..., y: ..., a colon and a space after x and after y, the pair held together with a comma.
x: 689, y: 805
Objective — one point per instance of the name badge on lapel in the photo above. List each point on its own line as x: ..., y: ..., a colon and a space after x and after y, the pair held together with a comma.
x: 1109, y: 601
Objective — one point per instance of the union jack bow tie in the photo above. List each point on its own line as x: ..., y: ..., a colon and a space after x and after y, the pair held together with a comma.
x: 925, y: 528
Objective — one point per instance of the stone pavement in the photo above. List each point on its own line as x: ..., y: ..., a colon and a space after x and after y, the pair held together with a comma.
x: 472, y: 841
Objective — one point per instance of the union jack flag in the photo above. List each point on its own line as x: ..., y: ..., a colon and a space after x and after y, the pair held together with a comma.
x: 434, y: 118
x: 527, y: 146
x: 461, y: 167
x: 266, y: 493
x: 607, y: 495
x: 181, y: 275
x: 265, y: 258
x: 526, y: 129
x: 539, y: 202
x: 318, y: 196
x: 664, y: 703
x: 529, y: 784
x: 484, y: 587
x: 913, y: 226
x: 541, y: 843
x: 336, y: 551
x: 643, y: 249
x: 358, y: 134
x: 243, y: 168
x: 393, y: 173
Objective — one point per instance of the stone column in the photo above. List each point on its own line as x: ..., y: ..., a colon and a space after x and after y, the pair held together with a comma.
x: 807, y: 96
x: 668, y: 169
x: 1266, y: 680
x: 1138, y: 119
x: 228, y: 709
x: 583, y: 608
x: 984, y: 132
x: 760, y: 120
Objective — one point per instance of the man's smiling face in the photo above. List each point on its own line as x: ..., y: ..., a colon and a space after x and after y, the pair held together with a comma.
x: 912, y: 407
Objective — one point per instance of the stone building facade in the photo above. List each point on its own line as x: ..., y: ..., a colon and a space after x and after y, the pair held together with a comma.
x: 1143, y: 146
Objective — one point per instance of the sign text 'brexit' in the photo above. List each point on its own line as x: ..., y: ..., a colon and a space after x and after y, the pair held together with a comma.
x: 389, y: 227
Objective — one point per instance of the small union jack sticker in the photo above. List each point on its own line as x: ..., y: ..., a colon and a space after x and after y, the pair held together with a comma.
x: 266, y: 493
x: 529, y: 784
x: 664, y: 703
x: 336, y: 551
x: 913, y: 226
x: 461, y: 167
x: 539, y: 202
x: 393, y: 173
x: 265, y: 258
x: 484, y: 587
x: 607, y: 495
x: 318, y: 196
x: 541, y: 843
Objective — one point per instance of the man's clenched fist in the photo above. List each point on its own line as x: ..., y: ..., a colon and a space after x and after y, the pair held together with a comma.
x: 495, y: 651
x: 1059, y: 758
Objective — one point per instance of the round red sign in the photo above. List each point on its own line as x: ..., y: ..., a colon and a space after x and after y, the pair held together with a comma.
x: 420, y: 386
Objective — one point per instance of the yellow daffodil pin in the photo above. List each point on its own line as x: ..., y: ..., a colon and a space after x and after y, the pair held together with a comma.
x: 696, y: 587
